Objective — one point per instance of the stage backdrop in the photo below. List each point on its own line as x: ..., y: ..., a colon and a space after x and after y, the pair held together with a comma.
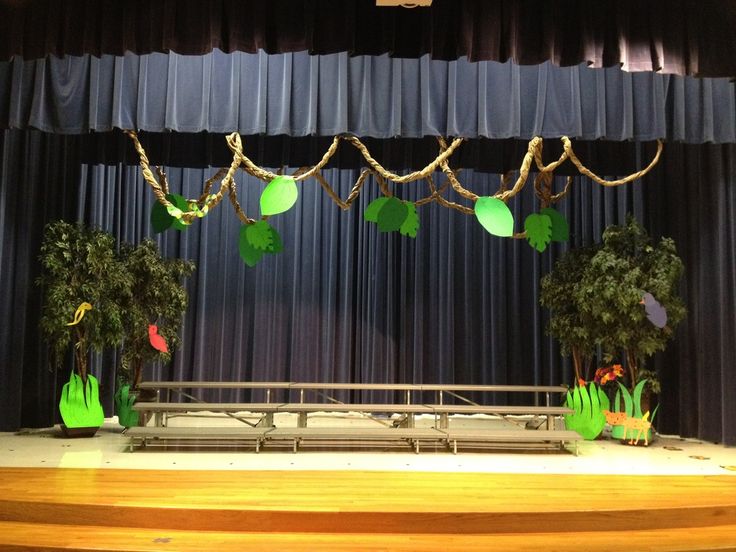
x: 346, y: 303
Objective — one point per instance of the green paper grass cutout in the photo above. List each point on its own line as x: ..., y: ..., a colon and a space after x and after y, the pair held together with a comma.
x: 588, y: 404
x: 411, y: 224
x: 163, y: 217
x: 538, y: 230
x: 79, y: 404
x: 495, y: 216
x: 259, y: 235
x: 371, y: 211
x: 279, y: 196
x: 560, y: 229
x: 392, y: 215
x: 632, y: 408
x: 124, y: 400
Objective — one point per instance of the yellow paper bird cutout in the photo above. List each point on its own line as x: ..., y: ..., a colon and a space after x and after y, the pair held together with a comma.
x: 81, y: 309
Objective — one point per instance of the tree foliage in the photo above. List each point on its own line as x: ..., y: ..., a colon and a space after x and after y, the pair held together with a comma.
x: 576, y: 331
x: 80, y: 264
x: 157, y: 297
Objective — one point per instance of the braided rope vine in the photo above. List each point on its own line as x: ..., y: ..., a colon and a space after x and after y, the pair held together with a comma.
x: 391, y: 214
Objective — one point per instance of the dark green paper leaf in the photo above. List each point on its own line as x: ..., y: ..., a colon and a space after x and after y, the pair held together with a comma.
x: 411, y: 224
x: 179, y: 202
x: 248, y: 253
x: 392, y: 215
x: 371, y: 211
x: 494, y: 216
x: 259, y: 235
x: 160, y: 218
x: 538, y: 231
x: 277, y: 245
x: 560, y: 229
x: 279, y: 195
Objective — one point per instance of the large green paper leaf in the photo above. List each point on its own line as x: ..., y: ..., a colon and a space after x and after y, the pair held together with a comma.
x: 538, y: 230
x: 494, y: 216
x: 371, y: 211
x: 163, y: 218
x: 259, y: 235
x: 248, y: 253
x: 411, y: 224
x: 560, y: 229
x: 80, y: 404
x: 279, y: 195
x: 392, y: 215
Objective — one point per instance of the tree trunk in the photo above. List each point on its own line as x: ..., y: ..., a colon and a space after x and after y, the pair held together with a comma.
x: 138, y: 374
x: 80, y: 355
x: 633, y: 366
x: 577, y: 362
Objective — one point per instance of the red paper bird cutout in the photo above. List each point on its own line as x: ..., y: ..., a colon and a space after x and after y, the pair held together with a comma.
x: 157, y: 342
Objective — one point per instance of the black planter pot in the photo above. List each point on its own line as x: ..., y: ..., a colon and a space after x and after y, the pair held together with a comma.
x: 74, y: 432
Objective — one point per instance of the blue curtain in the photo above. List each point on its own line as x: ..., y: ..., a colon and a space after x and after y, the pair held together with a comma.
x: 299, y: 95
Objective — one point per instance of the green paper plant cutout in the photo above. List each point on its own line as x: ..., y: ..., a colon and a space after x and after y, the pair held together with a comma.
x: 588, y: 403
x: 392, y: 214
x: 279, y: 196
x: 79, y: 404
x: 560, y: 228
x: 632, y: 409
x: 164, y: 217
x: 124, y: 400
x: 538, y: 230
x: 495, y: 216
x: 257, y: 239
x: 410, y: 227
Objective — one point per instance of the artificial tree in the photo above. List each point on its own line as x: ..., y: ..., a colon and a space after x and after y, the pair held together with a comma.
x: 80, y: 265
x: 157, y: 297
x: 610, y: 292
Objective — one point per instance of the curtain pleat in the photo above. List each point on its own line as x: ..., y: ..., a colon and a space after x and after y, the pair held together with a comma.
x: 300, y: 95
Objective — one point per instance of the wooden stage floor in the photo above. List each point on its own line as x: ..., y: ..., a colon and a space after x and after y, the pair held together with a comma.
x: 114, y: 509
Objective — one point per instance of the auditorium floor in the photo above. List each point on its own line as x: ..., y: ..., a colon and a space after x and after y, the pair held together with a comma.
x: 667, y: 455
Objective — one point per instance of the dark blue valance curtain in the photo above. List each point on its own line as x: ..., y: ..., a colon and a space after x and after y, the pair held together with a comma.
x: 300, y: 95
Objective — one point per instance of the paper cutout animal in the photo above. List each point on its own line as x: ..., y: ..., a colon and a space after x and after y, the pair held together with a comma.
x: 640, y: 425
x: 157, y: 342
x: 656, y: 313
x: 79, y: 314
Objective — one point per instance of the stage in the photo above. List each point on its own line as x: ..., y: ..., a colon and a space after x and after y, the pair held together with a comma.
x: 93, y: 494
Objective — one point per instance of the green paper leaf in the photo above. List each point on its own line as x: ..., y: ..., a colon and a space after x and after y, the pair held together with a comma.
x: 160, y: 219
x: 411, y: 224
x: 180, y: 202
x: 279, y: 195
x: 392, y: 215
x: 248, y: 253
x: 277, y: 246
x: 538, y: 231
x: 494, y: 216
x: 371, y: 211
x: 560, y: 229
x: 259, y: 235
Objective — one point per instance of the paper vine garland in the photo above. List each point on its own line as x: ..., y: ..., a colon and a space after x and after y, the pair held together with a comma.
x: 390, y: 214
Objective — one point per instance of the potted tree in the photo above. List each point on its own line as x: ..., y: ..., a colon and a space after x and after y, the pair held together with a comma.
x: 624, y: 274
x: 155, y: 306
x: 83, y: 285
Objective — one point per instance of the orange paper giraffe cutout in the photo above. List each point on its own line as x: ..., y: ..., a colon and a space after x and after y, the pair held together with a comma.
x: 640, y: 425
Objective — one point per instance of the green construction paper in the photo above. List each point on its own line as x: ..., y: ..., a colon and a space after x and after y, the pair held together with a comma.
x: 279, y: 195
x: 494, y: 216
x: 259, y: 235
x: 371, y: 211
x: 392, y: 215
x: 538, y: 230
x: 277, y: 246
x: 588, y: 403
x: 80, y: 404
x: 124, y: 400
x: 560, y: 229
x: 411, y: 224
x: 181, y: 203
x: 248, y: 253
x: 160, y: 219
